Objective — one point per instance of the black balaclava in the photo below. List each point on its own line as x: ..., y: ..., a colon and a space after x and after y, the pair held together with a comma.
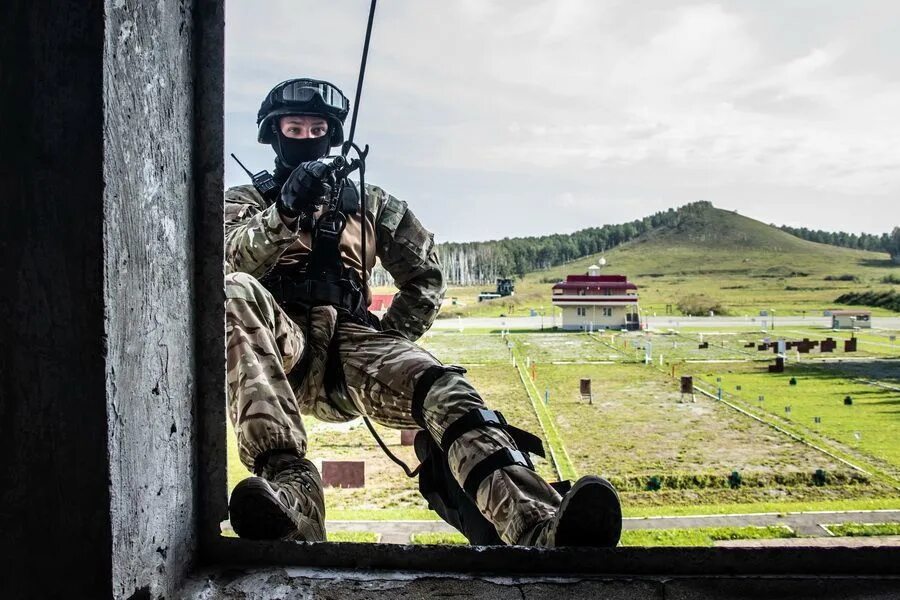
x: 291, y: 152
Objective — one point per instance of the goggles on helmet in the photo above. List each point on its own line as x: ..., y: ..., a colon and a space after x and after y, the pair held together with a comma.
x: 304, y: 91
x: 303, y: 97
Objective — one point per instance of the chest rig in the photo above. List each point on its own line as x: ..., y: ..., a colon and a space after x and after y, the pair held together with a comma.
x: 324, y: 279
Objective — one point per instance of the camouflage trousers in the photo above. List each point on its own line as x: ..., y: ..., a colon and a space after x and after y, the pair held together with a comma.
x: 264, y: 344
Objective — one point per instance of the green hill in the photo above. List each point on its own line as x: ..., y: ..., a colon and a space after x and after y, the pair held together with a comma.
x: 712, y: 258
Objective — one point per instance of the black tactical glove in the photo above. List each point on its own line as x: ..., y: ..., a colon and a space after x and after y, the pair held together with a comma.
x: 304, y: 188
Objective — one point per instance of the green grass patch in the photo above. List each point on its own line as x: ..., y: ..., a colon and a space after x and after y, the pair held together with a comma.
x: 454, y: 539
x: 864, y: 529
x: 564, y: 467
x: 639, y: 427
x: 466, y: 348
x: 703, y: 536
x: 886, y: 503
x: 359, y: 537
x: 545, y: 348
x: 865, y: 431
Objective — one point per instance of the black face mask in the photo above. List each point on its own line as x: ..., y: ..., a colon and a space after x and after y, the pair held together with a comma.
x: 291, y: 151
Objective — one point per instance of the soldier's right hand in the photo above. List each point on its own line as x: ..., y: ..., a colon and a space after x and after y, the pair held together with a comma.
x: 305, y: 188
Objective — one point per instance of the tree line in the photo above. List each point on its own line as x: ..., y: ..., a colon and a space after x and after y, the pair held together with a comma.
x: 886, y: 242
x: 478, y: 263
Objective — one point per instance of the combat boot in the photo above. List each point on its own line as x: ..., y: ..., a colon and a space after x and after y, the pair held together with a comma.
x: 286, y: 503
x: 590, y: 515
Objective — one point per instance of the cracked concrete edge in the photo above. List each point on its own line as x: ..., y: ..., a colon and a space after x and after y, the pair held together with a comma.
x: 295, y: 583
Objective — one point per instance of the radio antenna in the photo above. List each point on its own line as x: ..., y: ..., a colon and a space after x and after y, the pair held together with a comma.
x: 246, y: 170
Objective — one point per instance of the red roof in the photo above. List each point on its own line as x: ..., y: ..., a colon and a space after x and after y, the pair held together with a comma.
x: 597, y: 283
x: 587, y: 285
x: 599, y: 302
x: 599, y: 278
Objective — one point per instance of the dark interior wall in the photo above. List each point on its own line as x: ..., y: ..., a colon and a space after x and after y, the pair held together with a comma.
x: 54, y: 497
x: 148, y: 290
x: 97, y: 368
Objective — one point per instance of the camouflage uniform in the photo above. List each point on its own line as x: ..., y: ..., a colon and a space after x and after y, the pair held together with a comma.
x: 381, y: 368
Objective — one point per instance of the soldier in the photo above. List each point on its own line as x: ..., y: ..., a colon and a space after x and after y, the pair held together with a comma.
x: 300, y: 341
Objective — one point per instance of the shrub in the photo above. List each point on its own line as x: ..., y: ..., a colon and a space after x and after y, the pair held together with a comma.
x: 889, y: 299
x: 819, y: 477
x: 700, y: 304
x: 844, y: 277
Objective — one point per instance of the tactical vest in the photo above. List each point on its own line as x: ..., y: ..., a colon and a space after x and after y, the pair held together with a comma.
x: 325, y: 266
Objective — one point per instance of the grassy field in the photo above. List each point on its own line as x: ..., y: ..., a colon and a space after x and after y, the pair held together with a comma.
x: 466, y: 348
x: 638, y: 428
x: 643, y: 435
x: 866, y: 430
x: 864, y: 529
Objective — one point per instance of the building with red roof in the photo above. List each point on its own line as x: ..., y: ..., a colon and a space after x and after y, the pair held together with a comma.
x: 594, y: 301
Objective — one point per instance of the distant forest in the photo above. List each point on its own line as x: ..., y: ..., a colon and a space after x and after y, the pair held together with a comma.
x: 886, y: 242
x: 478, y: 263
x: 473, y: 263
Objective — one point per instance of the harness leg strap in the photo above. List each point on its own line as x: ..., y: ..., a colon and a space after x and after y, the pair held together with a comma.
x: 497, y: 460
x: 479, y: 418
x: 482, y: 417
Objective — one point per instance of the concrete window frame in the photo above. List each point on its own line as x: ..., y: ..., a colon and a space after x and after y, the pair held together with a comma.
x: 217, y: 551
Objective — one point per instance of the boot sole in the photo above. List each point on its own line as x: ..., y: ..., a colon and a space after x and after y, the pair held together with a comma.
x: 590, y: 515
x: 255, y: 514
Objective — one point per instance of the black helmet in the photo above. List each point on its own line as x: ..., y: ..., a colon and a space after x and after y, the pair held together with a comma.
x: 303, y: 97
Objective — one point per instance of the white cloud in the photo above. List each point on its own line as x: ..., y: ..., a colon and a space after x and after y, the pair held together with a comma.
x: 678, y: 97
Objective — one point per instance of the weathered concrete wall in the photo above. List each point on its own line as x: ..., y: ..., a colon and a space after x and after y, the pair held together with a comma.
x: 148, y: 290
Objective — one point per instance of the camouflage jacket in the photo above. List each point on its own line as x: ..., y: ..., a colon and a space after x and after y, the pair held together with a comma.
x: 256, y: 239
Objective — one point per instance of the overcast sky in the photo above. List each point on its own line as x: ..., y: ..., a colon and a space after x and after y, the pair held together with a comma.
x: 507, y: 118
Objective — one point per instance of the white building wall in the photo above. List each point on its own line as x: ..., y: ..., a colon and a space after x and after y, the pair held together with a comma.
x: 594, y: 317
x: 848, y: 322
